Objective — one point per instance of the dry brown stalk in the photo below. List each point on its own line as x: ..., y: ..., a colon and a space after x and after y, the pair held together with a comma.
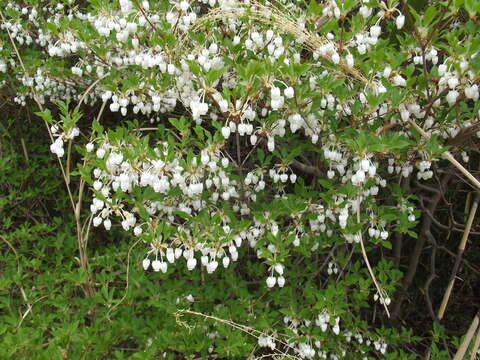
x: 476, y: 345
x: 468, y: 338
x: 246, y: 329
x: 448, y: 156
x: 279, y: 20
x: 461, y: 249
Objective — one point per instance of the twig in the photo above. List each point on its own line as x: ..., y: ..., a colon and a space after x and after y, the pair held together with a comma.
x: 127, y: 280
x: 248, y: 330
x: 456, y: 266
x: 432, y: 275
x: 14, y: 251
x: 476, y: 345
x: 312, y: 170
x: 25, y: 152
x: 367, y: 262
x: 465, y: 262
x: 448, y: 156
x: 29, y: 310
x: 90, y: 88
x: 69, y: 156
x: 468, y: 338
x: 440, y: 225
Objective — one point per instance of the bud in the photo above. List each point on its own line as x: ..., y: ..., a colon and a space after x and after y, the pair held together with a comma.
x: 226, y: 261
x: 146, y: 264
x: 191, y: 263
x: 400, y: 21
x: 226, y: 132
x: 170, y: 255
x: 279, y: 268
x: 289, y: 92
x: 271, y: 280
x: 156, y: 265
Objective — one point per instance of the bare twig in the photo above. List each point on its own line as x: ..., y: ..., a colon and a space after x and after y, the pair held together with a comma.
x: 468, y: 338
x: 456, y: 266
x: 246, y: 329
x: 25, y: 152
x: 308, y: 169
x: 448, y: 156
x: 432, y: 276
x: 126, y: 280
x: 476, y: 345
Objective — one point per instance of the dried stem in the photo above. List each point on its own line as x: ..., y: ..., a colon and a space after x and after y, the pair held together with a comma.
x: 276, y: 18
x: 25, y: 152
x: 468, y: 338
x: 476, y: 345
x: 126, y: 280
x: 248, y: 330
x: 448, y: 156
x: 458, y: 259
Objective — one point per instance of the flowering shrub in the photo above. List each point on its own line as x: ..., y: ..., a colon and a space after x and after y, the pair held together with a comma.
x: 279, y: 140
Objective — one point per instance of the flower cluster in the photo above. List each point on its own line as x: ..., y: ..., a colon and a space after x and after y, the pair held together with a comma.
x: 315, y: 348
x: 61, y: 137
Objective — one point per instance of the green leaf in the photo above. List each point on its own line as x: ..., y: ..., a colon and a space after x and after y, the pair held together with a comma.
x: 215, y: 74
x: 194, y: 67
x: 200, y: 132
x: 429, y: 15
x: 314, y: 7
x: 327, y: 184
x: 412, y: 234
x: 471, y: 6
x: 97, y: 127
x: 46, y: 115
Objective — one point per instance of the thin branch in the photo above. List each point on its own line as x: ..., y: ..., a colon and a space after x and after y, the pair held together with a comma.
x: 468, y: 338
x: 440, y: 225
x: 127, y: 280
x: 456, y: 266
x: 432, y: 275
x: 25, y: 152
x: 308, y: 169
x: 380, y: 291
x: 476, y: 345
x: 448, y: 156
x: 246, y: 329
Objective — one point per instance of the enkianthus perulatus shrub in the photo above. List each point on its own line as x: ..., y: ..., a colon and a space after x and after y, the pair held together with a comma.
x: 241, y: 133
